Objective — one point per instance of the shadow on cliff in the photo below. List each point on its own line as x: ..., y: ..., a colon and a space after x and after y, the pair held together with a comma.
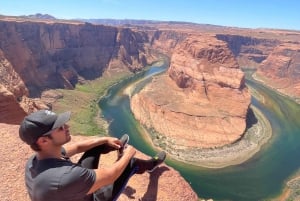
x: 151, y: 193
x: 250, y: 118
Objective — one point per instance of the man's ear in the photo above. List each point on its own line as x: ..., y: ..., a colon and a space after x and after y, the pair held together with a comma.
x: 42, y: 141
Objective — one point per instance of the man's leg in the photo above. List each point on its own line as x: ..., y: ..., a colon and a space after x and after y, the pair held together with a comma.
x: 113, y: 191
x: 90, y: 159
x: 135, y: 166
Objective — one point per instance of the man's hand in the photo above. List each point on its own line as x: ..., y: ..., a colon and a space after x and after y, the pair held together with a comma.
x: 114, y: 142
x: 85, y: 145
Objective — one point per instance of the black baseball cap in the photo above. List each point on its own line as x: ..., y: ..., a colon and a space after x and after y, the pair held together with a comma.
x: 40, y: 123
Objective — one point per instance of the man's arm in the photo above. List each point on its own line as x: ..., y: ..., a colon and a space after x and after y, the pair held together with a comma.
x: 85, y: 145
x: 105, y: 176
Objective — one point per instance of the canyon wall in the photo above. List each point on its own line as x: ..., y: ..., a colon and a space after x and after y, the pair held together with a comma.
x: 49, y: 55
x: 12, y: 88
x: 275, y: 56
x: 249, y: 51
x: 281, y: 69
x: 165, y: 41
x: 36, y: 56
x: 202, y: 102
x: 56, y: 55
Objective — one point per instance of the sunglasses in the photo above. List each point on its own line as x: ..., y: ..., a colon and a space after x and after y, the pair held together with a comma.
x: 61, y: 128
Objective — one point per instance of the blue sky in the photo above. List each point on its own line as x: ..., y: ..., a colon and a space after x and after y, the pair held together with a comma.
x: 283, y: 14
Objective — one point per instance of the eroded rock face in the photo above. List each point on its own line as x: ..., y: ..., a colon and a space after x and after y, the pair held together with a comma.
x: 165, y: 41
x: 202, y: 102
x: 10, y: 78
x: 10, y: 110
x: 281, y: 69
x: 57, y: 55
x: 12, y: 89
x: 249, y: 51
x: 14, y: 101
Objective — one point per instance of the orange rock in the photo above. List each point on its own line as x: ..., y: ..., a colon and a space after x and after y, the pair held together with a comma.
x: 281, y: 69
x: 202, y: 103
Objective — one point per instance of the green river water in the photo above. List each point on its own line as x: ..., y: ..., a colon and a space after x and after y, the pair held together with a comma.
x: 260, y: 178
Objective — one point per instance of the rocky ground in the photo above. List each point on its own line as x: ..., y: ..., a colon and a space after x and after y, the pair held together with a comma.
x: 165, y: 184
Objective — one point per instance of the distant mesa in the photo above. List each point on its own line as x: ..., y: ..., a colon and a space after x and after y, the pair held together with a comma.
x: 40, y: 16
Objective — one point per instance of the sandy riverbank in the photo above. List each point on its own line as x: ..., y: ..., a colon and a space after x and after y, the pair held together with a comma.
x: 278, y: 91
x: 237, y: 153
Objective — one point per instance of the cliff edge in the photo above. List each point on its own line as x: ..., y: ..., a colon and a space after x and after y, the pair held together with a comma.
x: 163, y: 184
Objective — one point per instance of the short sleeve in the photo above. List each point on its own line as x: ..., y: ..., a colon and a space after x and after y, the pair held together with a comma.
x: 76, y: 182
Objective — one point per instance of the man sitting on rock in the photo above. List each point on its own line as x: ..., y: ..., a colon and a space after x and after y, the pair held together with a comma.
x: 51, y: 176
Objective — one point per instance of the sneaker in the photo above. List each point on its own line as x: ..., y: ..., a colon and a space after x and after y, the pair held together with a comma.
x: 157, y: 160
x: 124, y: 140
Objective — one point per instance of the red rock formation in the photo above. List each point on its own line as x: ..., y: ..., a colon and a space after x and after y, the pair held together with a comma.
x: 281, y: 70
x: 202, y: 103
x: 10, y: 109
x: 165, y: 41
x: 56, y: 55
x: 10, y: 79
x: 248, y: 50
x: 14, y: 101
x: 12, y: 89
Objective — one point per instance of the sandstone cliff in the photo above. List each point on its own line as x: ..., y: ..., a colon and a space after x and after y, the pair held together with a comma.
x: 12, y: 89
x: 274, y: 53
x: 56, y: 55
x: 35, y: 56
x: 281, y: 69
x: 249, y: 51
x: 165, y: 41
x: 202, y: 102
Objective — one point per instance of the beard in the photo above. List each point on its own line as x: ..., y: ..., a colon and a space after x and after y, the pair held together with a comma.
x: 62, y: 140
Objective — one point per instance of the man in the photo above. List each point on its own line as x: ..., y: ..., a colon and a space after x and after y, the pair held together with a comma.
x: 51, y: 176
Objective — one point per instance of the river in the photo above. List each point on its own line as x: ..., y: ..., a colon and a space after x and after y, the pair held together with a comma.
x: 261, y: 177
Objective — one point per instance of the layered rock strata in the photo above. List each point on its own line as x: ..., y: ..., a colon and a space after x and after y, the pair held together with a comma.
x: 249, y: 51
x: 36, y: 56
x: 57, y: 55
x: 12, y: 89
x: 201, y: 102
x: 281, y: 69
x: 275, y: 55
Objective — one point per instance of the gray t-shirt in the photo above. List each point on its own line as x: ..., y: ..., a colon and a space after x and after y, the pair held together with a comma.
x: 58, y: 180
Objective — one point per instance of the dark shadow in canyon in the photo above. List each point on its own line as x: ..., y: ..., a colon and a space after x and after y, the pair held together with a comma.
x: 251, y: 119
